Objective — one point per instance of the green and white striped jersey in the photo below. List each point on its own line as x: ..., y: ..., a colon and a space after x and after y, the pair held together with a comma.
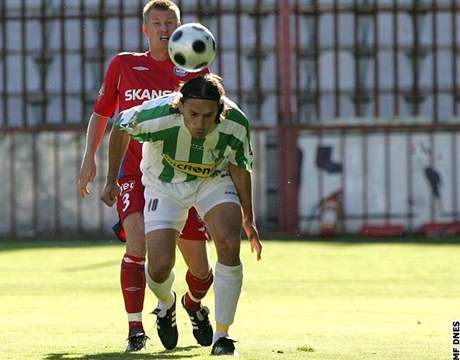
x: 169, y: 152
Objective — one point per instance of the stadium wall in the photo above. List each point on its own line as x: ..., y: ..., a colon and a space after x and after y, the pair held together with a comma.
x: 379, y: 180
x: 373, y: 86
x: 39, y: 192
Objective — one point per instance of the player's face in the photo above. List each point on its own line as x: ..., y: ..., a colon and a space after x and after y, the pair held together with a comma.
x: 199, y: 116
x: 159, y: 26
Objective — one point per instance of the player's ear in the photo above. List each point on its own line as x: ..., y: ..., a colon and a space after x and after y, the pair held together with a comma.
x: 180, y: 106
x: 144, y: 29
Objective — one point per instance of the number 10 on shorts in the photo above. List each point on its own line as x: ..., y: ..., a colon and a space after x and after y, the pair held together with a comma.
x: 152, y: 206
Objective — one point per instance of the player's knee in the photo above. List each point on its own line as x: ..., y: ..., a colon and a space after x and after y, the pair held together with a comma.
x: 159, y: 276
x: 228, y: 250
x: 135, y: 245
x: 227, y: 233
x: 135, y: 237
x: 160, y: 266
x: 159, y: 269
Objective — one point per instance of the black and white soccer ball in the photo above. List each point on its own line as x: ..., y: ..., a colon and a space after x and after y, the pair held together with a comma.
x: 192, y: 47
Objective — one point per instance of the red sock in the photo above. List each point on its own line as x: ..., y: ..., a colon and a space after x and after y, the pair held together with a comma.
x: 197, y: 288
x: 132, y: 280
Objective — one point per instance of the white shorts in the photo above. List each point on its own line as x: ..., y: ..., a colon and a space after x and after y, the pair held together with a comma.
x: 167, y: 204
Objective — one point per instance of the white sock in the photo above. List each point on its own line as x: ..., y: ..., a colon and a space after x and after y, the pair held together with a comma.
x: 135, y: 317
x: 163, y: 291
x: 218, y: 335
x: 227, y: 289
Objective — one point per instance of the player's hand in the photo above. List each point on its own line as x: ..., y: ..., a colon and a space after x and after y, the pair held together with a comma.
x: 87, y: 174
x: 250, y: 229
x: 110, y: 192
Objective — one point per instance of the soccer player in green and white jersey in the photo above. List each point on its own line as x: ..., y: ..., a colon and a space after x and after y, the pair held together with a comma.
x: 196, y: 152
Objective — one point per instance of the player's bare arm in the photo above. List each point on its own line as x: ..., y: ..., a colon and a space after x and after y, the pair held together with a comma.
x: 243, y: 184
x: 95, y: 132
x: 118, y: 144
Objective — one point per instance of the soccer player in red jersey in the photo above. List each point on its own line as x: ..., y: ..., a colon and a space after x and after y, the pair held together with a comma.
x: 131, y: 79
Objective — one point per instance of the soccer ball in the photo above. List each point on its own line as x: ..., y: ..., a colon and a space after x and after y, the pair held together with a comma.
x: 192, y: 47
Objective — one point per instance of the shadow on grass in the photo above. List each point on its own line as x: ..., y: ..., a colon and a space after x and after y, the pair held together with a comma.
x: 177, y: 353
x: 92, y: 267
x: 57, y: 243
x: 84, y: 241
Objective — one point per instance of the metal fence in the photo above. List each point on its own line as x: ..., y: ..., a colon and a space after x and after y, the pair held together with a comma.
x: 376, y: 59
x: 332, y: 71
x: 54, y: 53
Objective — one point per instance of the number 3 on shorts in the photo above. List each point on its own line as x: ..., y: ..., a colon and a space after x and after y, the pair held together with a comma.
x: 125, y: 200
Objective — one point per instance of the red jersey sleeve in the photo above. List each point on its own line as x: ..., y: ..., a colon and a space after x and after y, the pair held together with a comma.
x: 200, y: 73
x: 107, y: 101
x: 192, y: 75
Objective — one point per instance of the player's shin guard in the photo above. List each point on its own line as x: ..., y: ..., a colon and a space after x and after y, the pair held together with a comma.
x: 163, y: 291
x: 132, y: 280
x: 197, y: 290
x: 227, y: 289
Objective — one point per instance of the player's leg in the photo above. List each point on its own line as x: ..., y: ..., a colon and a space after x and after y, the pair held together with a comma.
x: 130, y: 204
x: 161, y: 246
x: 163, y: 217
x: 199, y: 277
x: 161, y: 254
x: 223, y: 218
x: 192, y: 244
x: 224, y: 223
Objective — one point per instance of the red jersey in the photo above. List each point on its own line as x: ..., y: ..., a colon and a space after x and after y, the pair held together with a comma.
x: 131, y: 79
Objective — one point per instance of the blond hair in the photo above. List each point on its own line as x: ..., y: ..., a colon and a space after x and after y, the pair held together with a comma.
x: 160, y: 5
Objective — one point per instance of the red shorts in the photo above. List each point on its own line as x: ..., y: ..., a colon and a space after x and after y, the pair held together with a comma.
x: 131, y: 197
x: 131, y: 200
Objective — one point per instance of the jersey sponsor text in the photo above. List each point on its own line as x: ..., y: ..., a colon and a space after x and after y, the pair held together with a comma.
x: 144, y: 94
x: 200, y: 170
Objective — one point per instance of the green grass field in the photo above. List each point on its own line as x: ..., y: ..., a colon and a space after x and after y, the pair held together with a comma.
x: 304, y: 300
